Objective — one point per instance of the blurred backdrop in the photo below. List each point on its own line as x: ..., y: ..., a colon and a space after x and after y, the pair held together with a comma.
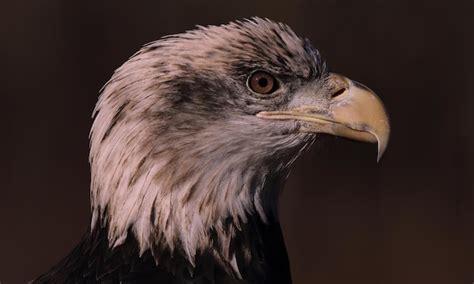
x: 346, y: 219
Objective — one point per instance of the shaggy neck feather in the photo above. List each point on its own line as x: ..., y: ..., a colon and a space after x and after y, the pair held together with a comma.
x: 174, y: 191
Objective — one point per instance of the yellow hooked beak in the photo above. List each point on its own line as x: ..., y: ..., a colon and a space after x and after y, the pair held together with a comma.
x: 354, y: 112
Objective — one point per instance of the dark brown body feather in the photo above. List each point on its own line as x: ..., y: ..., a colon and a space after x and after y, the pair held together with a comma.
x: 92, y: 261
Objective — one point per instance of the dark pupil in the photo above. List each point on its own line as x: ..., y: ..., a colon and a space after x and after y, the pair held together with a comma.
x: 262, y: 82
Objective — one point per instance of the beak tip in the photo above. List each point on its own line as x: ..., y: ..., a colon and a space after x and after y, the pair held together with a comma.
x: 382, y: 146
x: 379, y: 156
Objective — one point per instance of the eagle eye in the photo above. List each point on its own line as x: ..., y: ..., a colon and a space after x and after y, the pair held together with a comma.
x: 262, y: 82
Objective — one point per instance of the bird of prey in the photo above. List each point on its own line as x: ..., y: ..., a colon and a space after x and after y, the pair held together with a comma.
x: 192, y: 140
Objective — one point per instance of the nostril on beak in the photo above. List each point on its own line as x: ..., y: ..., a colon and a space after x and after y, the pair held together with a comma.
x: 338, y: 93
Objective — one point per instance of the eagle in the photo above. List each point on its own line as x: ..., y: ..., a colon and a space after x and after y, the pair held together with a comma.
x: 192, y: 140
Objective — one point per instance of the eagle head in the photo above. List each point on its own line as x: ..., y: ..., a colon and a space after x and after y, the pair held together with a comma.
x: 194, y: 135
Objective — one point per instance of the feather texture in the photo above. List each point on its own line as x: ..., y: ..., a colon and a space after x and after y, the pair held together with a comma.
x: 184, y: 175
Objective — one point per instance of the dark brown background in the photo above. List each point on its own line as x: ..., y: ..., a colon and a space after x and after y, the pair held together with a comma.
x: 346, y: 219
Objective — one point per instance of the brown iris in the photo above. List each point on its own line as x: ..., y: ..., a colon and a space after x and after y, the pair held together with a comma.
x: 261, y: 82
